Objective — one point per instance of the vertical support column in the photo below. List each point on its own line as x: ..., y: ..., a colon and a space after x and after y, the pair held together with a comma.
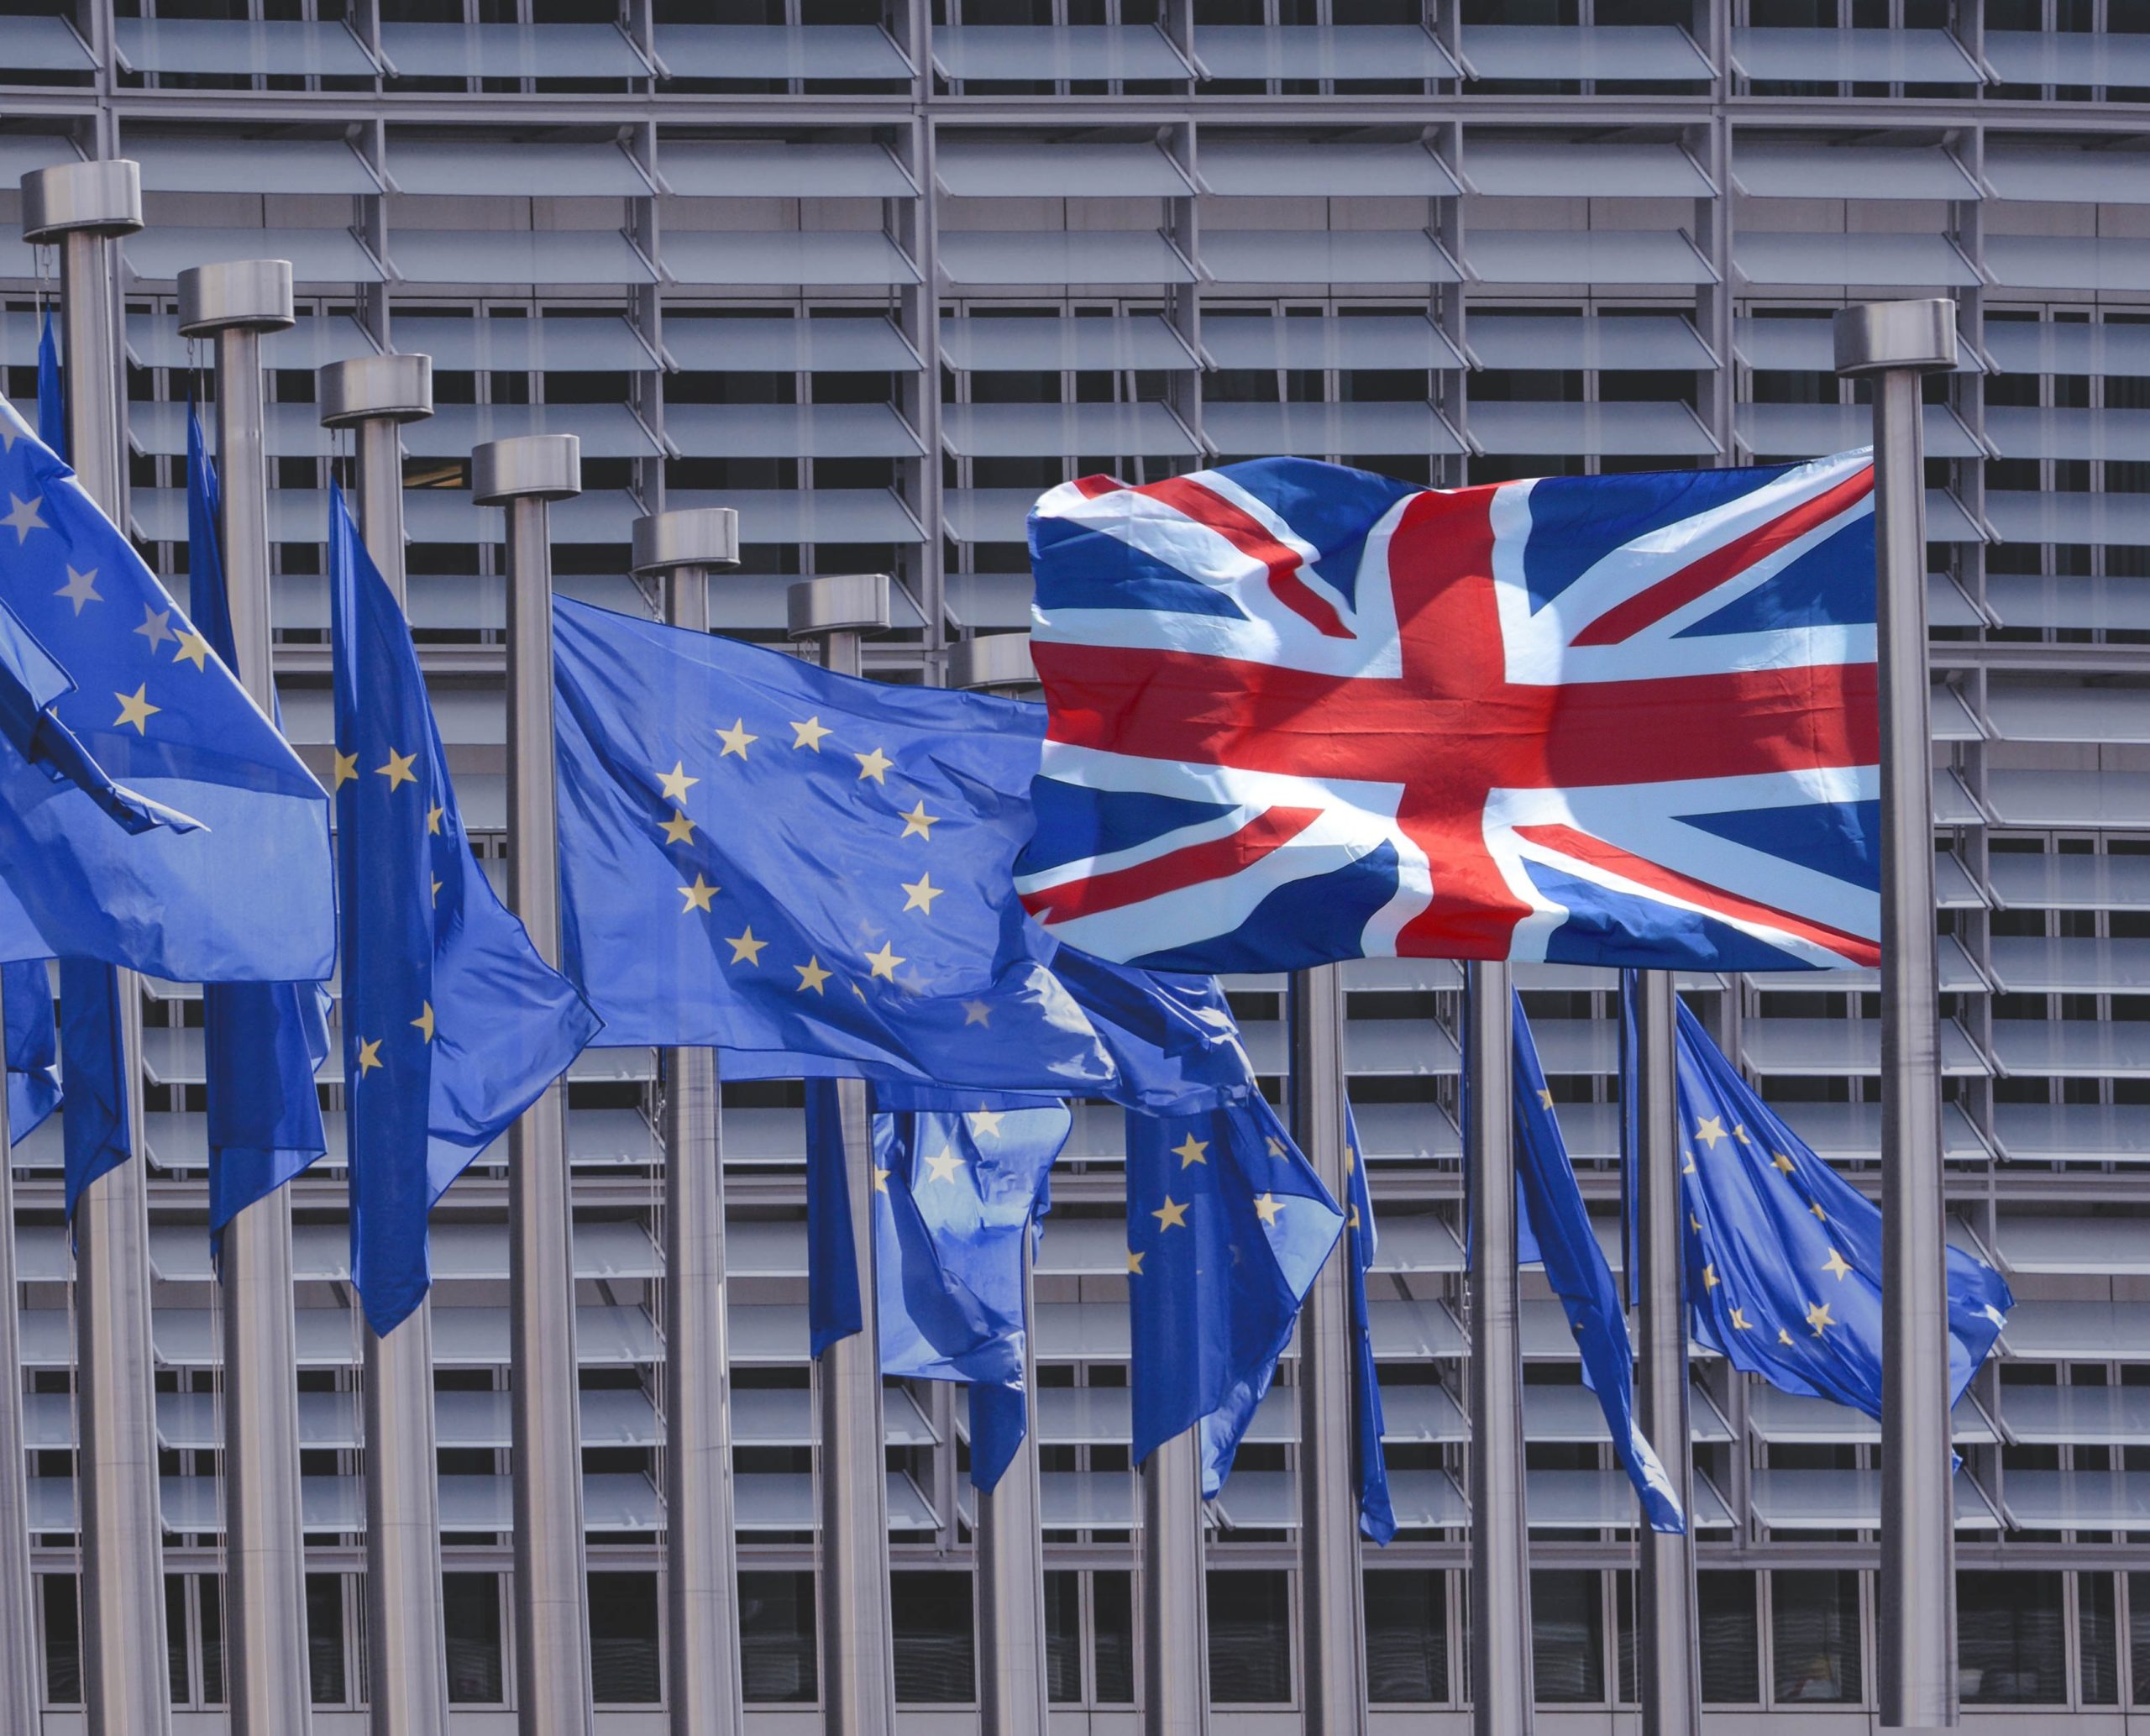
x: 20, y: 1663
x: 85, y: 207
x: 1332, y: 1616
x: 918, y: 316
x: 1669, y: 1657
x: 265, y: 1546
x: 858, y: 1643
x: 1895, y: 343
x: 1175, y: 1592
x: 1501, y: 1685
x: 703, y: 1693
x: 407, y: 1633
x: 552, y: 1618
x: 1012, y: 1699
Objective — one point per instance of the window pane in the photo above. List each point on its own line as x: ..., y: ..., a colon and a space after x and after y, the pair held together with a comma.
x: 324, y: 1636
x: 2094, y: 1611
x: 1814, y: 1633
x: 209, y: 1597
x: 1731, y: 1647
x: 1625, y: 1618
x: 1406, y: 1638
x: 623, y: 1669
x: 2012, y: 1644
x: 1567, y: 1637
x: 934, y: 1658
x: 1063, y: 1638
x: 1112, y: 1636
x: 471, y: 1609
x: 63, y: 1641
x: 1251, y: 1639
x: 176, y: 1639
x: 776, y: 1637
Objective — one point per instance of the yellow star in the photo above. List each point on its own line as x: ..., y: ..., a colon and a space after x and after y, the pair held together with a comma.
x: 1191, y: 1151
x: 1781, y: 1162
x: 880, y: 1180
x: 424, y: 1022
x: 156, y: 626
x: 1710, y: 1130
x: 434, y: 819
x: 1276, y: 1146
x: 189, y: 647
x: 1134, y: 1263
x: 678, y: 829
x: 920, y: 893
x: 977, y: 1012
x: 944, y: 1166
x: 1835, y: 1265
x: 435, y: 898
x: 808, y: 734
x: 1350, y: 1158
x: 368, y: 1056
x: 1818, y: 1317
x: 1173, y: 1212
x: 1694, y: 1222
x: 735, y: 738
x: 1710, y: 1279
x: 874, y: 765
x: 883, y: 962
x: 1267, y: 1206
x: 81, y: 588
x: 698, y: 895
x: 135, y: 708
x: 347, y: 769
x: 811, y: 975
x: 1352, y: 1222
x: 1740, y: 1322
x: 398, y: 770
x: 985, y: 1123
x: 1819, y: 1213
x: 1739, y: 1133
x: 675, y: 783
x: 920, y: 822
x: 1784, y: 1337
x: 1544, y: 1096
x: 1688, y: 1168
x: 745, y: 948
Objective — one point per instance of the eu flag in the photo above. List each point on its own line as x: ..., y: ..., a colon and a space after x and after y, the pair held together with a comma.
x: 33, y: 1047
x: 1227, y: 1224
x: 1376, y: 1515
x: 51, y: 392
x: 453, y: 1025
x: 246, y: 896
x: 757, y: 855
x: 1784, y: 1256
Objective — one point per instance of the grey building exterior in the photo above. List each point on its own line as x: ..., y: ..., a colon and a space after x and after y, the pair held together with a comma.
x: 875, y: 277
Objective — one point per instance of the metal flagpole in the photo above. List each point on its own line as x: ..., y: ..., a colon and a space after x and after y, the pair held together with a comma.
x: 1332, y: 1621
x: 701, y: 1561
x: 1669, y: 1655
x: 84, y: 207
x: 264, y: 1548
x: 1501, y: 1683
x: 552, y: 1611
x: 18, y: 1650
x: 858, y: 1645
x: 1896, y: 344
x: 1012, y: 1685
x: 406, y: 1630
x: 1175, y: 1592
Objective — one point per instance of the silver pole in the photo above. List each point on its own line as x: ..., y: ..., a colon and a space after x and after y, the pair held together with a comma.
x: 1895, y: 343
x: 265, y: 1547
x: 19, y: 1673
x: 1668, y: 1656
x: 551, y: 1614
x: 858, y: 1644
x: 701, y: 1562
x: 85, y: 206
x: 406, y: 1629
x: 1332, y: 1620
x: 1501, y: 1685
x: 1175, y: 1593
x: 1012, y: 1684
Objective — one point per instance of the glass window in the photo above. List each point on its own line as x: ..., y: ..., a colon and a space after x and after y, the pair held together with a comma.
x: 1063, y: 1638
x: 2096, y: 1630
x: 176, y: 1645
x: 471, y: 1609
x: 1406, y: 1638
x: 63, y: 1641
x: 2012, y: 1644
x: 1250, y: 1638
x: 1814, y: 1634
x: 209, y: 1612
x: 1567, y: 1637
x: 1112, y: 1638
x: 934, y: 1665
x: 1731, y: 1646
x: 776, y: 1637
x: 324, y: 1638
x: 623, y: 1666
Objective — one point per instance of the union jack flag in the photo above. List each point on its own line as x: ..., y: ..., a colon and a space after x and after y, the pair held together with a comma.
x: 1301, y: 712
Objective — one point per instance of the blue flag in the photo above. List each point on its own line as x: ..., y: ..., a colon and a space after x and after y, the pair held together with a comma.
x: 834, y: 1309
x: 1576, y: 1267
x: 51, y: 393
x: 263, y: 1041
x: 1227, y: 1225
x: 94, y: 1134
x: 757, y: 855
x: 33, y: 1047
x: 1784, y: 1256
x: 453, y: 1025
x: 1376, y: 1516
x: 244, y: 896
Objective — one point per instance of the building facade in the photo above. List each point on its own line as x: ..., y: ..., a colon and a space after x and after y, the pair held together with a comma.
x: 877, y: 272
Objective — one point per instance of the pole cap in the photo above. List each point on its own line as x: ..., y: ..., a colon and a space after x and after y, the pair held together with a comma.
x: 542, y: 467
x: 837, y: 603
x: 991, y: 660
x: 103, y: 198
x: 253, y: 293
x: 366, y: 388
x: 1880, y: 337
x: 691, y: 536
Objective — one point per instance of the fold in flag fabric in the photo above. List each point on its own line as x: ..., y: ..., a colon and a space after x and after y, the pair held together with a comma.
x: 1227, y: 1224
x: 1561, y: 1237
x: 94, y: 1134
x: 1376, y: 1515
x: 453, y: 1024
x: 33, y: 1047
x: 1784, y: 1256
x: 757, y: 855
x: 834, y: 1306
x: 245, y: 896
x: 262, y: 1042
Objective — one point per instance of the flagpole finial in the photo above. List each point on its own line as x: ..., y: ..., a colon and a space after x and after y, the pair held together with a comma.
x: 838, y: 602
x: 396, y: 388
x: 104, y: 198
x: 691, y: 536
x: 539, y: 467
x: 253, y: 294
x: 992, y: 661
x: 1874, y: 337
